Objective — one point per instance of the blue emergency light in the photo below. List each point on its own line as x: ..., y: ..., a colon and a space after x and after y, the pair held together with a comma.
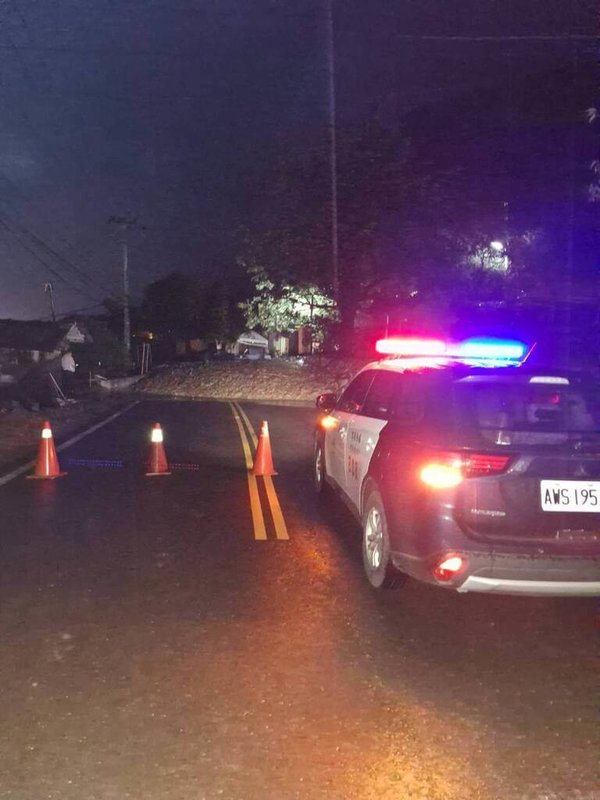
x: 495, y: 349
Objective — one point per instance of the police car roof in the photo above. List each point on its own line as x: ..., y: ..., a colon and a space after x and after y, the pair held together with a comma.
x: 478, y: 358
x: 473, y: 370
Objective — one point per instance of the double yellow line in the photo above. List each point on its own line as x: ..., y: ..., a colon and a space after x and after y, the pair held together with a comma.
x: 258, y: 520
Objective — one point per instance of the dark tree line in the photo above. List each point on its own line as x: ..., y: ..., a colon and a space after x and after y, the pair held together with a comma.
x: 181, y: 302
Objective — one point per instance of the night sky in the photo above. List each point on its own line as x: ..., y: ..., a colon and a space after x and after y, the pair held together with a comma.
x: 168, y: 111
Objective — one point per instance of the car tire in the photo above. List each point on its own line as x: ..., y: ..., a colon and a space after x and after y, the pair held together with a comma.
x: 379, y: 569
x: 319, y: 472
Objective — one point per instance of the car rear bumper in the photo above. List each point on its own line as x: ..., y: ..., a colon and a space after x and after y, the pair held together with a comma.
x: 509, y: 573
x: 476, y: 583
x: 538, y: 574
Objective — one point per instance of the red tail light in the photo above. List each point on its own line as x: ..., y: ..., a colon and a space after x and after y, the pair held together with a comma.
x: 482, y: 464
x: 445, y: 470
x: 448, y: 567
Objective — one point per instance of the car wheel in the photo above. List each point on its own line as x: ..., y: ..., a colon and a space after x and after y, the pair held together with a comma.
x: 319, y: 468
x: 376, y: 546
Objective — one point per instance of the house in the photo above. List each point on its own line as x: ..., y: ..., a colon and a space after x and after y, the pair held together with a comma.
x: 298, y: 343
x: 30, y: 351
x: 26, y: 342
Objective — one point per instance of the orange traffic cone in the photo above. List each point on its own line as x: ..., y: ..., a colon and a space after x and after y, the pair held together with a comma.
x: 263, y: 462
x: 47, y: 465
x: 157, y: 462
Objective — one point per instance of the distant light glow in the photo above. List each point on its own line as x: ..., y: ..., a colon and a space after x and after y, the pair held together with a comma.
x: 497, y: 246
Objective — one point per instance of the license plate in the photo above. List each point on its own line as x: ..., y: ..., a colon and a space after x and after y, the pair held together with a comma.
x: 579, y: 496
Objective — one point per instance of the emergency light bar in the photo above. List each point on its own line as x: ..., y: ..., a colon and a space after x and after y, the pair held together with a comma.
x: 483, y: 349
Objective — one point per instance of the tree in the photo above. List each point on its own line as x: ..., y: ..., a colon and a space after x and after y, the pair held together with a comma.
x: 173, y: 301
x: 400, y: 222
x: 294, y: 246
x: 104, y: 353
x: 222, y: 320
x: 284, y: 308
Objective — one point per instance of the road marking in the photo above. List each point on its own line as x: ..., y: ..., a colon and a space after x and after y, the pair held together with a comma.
x: 276, y: 512
x: 73, y: 440
x: 278, y: 520
x: 258, y: 521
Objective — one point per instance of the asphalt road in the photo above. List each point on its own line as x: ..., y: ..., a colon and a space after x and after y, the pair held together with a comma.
x: 153, y: 648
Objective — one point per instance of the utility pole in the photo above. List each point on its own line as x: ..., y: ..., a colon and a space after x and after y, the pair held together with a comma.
x: 125, y: 224
x: 126, y: 318
x: 49, y: 289
x: 335, y: 273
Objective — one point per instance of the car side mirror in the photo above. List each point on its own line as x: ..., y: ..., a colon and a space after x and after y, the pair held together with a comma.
x: 326, y: 401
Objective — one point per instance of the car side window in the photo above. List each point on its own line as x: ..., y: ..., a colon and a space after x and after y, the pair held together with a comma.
x: 354, y: 394
x: 383, y: 395
x: 408, y: 402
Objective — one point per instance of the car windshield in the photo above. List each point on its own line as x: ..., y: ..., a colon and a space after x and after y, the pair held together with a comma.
x: 527, y: 413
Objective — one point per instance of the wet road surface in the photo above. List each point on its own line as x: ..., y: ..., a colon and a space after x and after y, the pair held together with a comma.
x: 152, y: 647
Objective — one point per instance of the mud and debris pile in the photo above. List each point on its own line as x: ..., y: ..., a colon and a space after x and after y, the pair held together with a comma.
x: 289, y: 380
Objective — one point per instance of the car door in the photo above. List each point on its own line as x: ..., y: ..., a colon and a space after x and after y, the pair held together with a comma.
x: 335, y: 439
x: 364, y: 429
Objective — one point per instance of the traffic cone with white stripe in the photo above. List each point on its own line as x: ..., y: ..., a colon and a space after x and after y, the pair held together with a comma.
x: 157, y: 462
x: 46, y: 465
x: 263, y: 461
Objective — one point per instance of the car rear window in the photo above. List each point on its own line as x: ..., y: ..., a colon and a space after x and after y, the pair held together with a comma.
x: 527, y: 413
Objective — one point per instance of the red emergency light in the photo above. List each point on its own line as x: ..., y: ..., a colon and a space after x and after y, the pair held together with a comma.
x: 409, y: 346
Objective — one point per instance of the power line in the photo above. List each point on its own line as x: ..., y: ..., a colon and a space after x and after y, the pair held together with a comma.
x: 77, y: 273
x: 55, y: 253
x: 86, y: 284
x: 82, y: 276
x: 81, y: 310
x: 198, y: 54
x: 13, y: 186
x: 52, y: 270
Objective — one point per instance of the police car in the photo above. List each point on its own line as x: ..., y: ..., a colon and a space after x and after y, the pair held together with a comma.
x: 467, y: 469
